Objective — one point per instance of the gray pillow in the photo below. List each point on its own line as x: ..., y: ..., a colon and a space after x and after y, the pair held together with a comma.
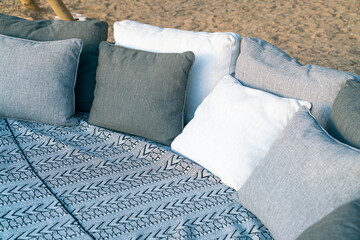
x: 37, y: 79
x: 141, y: 93
x: 305, y: 175
x: 344, y: 121
x: 266, y: 67
x: 341, y: 224
x: 91, y: 31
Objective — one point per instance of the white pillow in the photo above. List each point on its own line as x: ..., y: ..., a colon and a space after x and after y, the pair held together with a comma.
x: 215, y: 54
x: 233, y: 129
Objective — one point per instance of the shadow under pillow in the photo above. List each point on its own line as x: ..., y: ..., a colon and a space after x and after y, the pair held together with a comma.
x: 141, y: 93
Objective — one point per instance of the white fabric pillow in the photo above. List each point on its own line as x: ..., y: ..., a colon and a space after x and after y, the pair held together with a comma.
x: 233, y: 129
x: 215, y: 54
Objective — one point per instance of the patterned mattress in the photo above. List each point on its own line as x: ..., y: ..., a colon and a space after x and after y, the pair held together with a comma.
x: 87, y: 182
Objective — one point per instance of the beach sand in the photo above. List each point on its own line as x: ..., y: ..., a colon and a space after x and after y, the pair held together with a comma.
x: 321, y: 32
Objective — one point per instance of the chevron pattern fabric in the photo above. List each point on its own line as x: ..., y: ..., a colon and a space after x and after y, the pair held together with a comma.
x: 28, y: 210
x: 93, y: 183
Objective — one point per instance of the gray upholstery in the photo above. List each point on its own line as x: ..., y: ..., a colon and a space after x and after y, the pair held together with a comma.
x: 141, y: 93
x: 344, y: 121
x: 91, y: 31
x: 37, y: 79
x: 341, y: 224
x: 306, y: 175
x: 264, y: 66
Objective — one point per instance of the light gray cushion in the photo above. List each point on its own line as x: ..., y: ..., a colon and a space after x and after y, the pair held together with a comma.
x: 264, y: 66
x: 344, y: 121
x: 341, y: 224
x: 37, y: 79
x: 305, y: 175
x: 91, y: 31
x: 141, y: 93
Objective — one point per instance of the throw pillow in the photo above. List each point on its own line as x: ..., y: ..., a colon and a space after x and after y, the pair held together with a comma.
x: 264, y: 66
x: 341, y: 224
x: 216, y: 54
x: 141, y: 93
x: 233, y: 129
x: 306, y: 175
x: 92, y: 32
x: 344, y: 121
x: 37, y: 79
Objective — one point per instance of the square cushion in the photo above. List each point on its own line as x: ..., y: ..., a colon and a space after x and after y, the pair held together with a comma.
x: 141, y: 93
x: 306, y: 175
x: 233, y: 129
x: 344, y: 121
x: 341, y: 224
x: 37, y: 79
x: 216, y: 54
x: 264, y: 66
x: 92, y: 32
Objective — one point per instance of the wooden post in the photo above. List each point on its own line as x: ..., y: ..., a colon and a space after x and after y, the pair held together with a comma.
x: 30, y: 4
x: 61, y: 10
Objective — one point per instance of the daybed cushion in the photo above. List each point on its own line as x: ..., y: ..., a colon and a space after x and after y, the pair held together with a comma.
x: 92, y: 32
x: 341, y: 224
x: 344, y: 121
x: 116, y: 186
x: 37, y: 79
x: 216, y: 54
x: 306, y: 175
x: 233, y: 129
x: 141, y: 93
x: 28, y: 210
x: 264, y: 66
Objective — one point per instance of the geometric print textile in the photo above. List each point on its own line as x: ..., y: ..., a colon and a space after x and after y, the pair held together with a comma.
x: 87, y: 182
x: 28, y: 210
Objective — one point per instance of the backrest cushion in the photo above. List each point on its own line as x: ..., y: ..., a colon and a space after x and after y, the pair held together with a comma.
x: 216, y: 54
x: 141, y: 93
x: 92, y: 32
x: 37, y: 79
x: 233, y: 129
x: 264, y: 66
x: 342, y: 223
x: 305, y: 175
x: 344, y: 121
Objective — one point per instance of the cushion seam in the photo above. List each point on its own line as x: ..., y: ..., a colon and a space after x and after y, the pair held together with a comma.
x: 63, y: 204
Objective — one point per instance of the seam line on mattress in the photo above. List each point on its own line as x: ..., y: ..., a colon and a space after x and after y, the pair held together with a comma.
x: 45, y: 184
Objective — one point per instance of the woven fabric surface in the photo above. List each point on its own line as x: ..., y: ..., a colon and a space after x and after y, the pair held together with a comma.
x: 123, y: 187
x: 28, y: 210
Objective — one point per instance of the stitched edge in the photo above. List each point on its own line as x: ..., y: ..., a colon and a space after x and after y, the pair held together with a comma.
x: 63, y: 204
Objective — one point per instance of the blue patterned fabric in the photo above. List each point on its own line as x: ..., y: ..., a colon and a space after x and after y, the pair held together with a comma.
x: 89, y: 182
x: 28, y: 210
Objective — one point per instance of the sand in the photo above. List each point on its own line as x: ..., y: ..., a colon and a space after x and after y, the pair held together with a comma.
x: 322, y: 32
